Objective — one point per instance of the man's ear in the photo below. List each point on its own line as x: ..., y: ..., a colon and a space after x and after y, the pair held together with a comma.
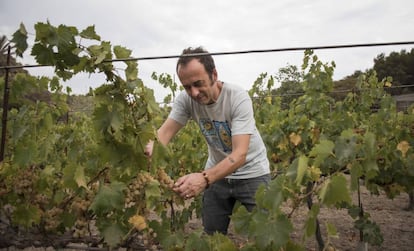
x: 214, y: 75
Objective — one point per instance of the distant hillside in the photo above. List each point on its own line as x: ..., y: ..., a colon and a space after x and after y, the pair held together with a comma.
x: 81, y: 103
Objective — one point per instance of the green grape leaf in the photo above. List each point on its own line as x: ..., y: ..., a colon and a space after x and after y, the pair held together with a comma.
x: 356, y: 171
x: 335, y: 191
x: 292, y: 246
x: 90, y: 33
x: 272, y: 197
x: 48, y: 171
x: 370, y: 146
x: 195, y: 242
x: 26, y: 215
x: 346, y: 147
x: 269, y: 231
x: 152, y: 193
x: 43, y: 55
x: 100, y: 52
x: 107, y: 119
x: 20, y: 40
x: 370, y: 164
x: 292, y: 170
x: 25, y: 154
x: 67, y: 59
x: 324, y: 147
x: 221, y: 242
x: 302, y: 167
x: 46, y: 34
x: 69, y: 175
x: 66, y: 37
x: 109, y: 197
x: 131, y: 72
x: 121, y: 52
x: 68, y: 218
x: 174, y: 241
x: 19, y: 130
x: 371, y: 168
x: 101, y: 57
x: 163, y: 233
x: 95, y: 49
x: 310, y: 224
x: 65, y: 75
x: 354, y: 211
x: 47, y: 121
x: 152, y: 189
x: 113, y: 235
x: 83, y: 65
x: 54, y: 84
x: 241, y: 220
x: 321, y: 151
x: 371, y: 231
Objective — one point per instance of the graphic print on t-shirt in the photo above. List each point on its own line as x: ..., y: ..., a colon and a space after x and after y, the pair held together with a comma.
x: 217, y: 133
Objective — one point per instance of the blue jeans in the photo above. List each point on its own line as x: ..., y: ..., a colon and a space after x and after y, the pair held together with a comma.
x: 219, y: 200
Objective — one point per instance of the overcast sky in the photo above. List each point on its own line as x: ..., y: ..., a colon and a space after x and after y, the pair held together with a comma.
x: 166, y: 27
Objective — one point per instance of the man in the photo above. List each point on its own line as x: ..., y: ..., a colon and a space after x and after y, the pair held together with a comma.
x: 237, y: 163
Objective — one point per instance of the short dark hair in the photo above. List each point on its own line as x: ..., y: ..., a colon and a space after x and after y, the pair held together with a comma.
x: 206, y: 60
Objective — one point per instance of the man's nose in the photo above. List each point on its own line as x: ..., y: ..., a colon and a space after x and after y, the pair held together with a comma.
x: 194, y: 92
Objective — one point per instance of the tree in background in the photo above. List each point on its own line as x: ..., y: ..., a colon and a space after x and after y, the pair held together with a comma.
x: 290, y: 79
x: 399, y: 66
x: 343, y: 86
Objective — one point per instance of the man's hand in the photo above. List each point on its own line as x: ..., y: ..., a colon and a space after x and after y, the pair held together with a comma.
x: 190, y: 185
x: 148, y: 148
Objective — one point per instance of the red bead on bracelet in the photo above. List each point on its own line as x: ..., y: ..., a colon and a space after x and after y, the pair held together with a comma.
x: 205, y: 175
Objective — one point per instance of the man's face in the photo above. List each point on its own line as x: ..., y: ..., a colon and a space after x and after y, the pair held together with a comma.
x: 198, y: 83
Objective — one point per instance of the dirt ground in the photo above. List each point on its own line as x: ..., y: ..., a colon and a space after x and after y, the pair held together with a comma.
x: 396, y: 224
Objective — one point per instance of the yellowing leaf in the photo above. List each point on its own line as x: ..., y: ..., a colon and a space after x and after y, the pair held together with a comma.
x: 403, y: 146
x: 388, y: 84
x: 138, y: 222
x: 283, y: 144
x: 315, y: 173
x: 315, y: 133
x: 268, y: 100
x: 295, y: 138
x: 331, y: 229
x: 80, y: 177
x: 275, y: 158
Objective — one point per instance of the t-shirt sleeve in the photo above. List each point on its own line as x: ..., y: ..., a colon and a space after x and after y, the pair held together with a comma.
x: 181, y: 109
x: 243, y: 121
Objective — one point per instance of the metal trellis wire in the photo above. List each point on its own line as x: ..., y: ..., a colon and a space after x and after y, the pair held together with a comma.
x: 323, y: 47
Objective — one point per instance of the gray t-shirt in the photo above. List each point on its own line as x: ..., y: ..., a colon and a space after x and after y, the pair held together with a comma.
x: 232, y: 114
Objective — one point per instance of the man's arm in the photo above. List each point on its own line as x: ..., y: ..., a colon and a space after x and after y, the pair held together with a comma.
x: 192, y: 184
x: 165, y: 133
x: 240, y: 147
x: 168, y: 130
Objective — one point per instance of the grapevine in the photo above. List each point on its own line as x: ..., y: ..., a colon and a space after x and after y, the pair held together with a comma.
x: 89, y: 175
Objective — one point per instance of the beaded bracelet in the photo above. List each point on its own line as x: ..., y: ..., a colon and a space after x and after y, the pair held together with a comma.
x: 205, y: 175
